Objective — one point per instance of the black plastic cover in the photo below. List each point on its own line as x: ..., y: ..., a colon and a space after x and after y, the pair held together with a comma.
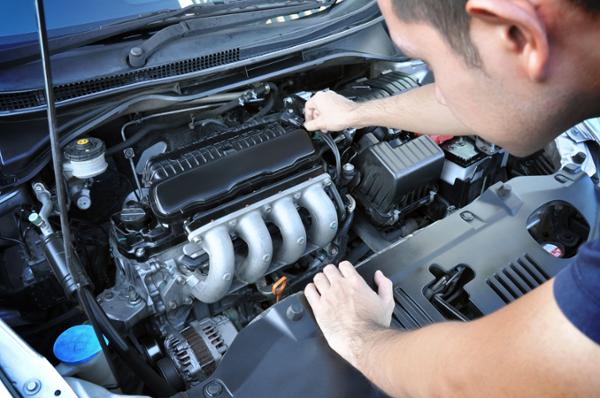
x: 205, y: 175
x: 276, y: 353
x: 389, y: 172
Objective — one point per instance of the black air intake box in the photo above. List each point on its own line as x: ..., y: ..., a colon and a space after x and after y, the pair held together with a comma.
x: 391, y: 172
x: 233, y: 166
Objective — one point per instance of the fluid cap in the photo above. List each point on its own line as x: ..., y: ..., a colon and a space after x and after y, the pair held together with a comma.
x: 84, y: 149
x: 77, y: 344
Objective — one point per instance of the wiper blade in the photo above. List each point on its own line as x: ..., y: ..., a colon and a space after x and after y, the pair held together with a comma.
x: 30, y: 51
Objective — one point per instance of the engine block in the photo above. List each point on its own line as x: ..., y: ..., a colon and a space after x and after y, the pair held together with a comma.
x: 235, y: 207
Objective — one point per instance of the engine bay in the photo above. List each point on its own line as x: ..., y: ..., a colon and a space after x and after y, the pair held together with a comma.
x: 192, y: 221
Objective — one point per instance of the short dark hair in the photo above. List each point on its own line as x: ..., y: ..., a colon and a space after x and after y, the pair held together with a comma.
x: 588, y: 5
x: 453, y: 22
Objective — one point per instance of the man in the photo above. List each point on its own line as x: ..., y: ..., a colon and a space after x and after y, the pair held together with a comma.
x: 517, y: 73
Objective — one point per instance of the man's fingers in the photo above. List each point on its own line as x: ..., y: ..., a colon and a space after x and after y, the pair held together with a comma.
x: 312, y: 295
x: 332, y: 272
x: 385, y: 288
x: 321, y: 282
x: 308, y: 114
x: 348, y: 270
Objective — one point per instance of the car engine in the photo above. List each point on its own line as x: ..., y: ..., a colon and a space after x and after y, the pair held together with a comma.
x: 247, y: 209
x: 193, y: 220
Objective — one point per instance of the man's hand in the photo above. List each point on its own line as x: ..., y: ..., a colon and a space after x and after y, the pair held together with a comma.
x: 328, y: 111
x: 348, y: 310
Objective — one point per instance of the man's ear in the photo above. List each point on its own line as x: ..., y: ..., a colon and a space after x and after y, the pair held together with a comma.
x: 521, y: 30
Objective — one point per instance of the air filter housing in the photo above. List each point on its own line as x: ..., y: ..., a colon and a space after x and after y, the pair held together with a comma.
x: 395, y: 175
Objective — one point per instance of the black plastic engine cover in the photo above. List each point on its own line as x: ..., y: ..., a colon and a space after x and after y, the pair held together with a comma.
x: 202, y: 176
x: 291, y: 356
x: 389, y: 172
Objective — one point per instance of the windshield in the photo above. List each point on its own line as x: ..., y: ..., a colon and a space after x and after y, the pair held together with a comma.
x: 18, y: 23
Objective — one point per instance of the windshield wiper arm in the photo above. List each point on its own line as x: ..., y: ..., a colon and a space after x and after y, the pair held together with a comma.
x: 138, y: 55
x: 30, y: 51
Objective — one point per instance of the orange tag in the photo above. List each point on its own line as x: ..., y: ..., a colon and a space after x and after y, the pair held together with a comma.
x: 279, y: 287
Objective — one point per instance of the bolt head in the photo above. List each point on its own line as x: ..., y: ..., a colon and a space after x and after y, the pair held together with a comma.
x: 227, y: 276
x: 84, y: 203
x: 32, y: 387
x: 140, y: 252
x: 172, y: 305
x: 136, y: 51
x: 294, y: 312
x: 504, y: 191
x: 333, y: 225
x: 188, y: 301
x: 301, y: 240
x: 213, y: 389
x: 467, y: 216
x: 349, y: 168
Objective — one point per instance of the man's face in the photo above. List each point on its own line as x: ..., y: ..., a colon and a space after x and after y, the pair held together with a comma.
x: 497, y: 100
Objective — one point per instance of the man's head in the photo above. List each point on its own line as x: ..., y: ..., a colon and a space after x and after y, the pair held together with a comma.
x: 518, y: 72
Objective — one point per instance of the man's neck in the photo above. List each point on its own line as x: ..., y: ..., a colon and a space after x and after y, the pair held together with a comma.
x: 584, y: 53
x: 575, y: 35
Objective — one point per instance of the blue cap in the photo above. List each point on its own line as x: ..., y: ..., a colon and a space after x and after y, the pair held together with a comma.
x: 77, y: 344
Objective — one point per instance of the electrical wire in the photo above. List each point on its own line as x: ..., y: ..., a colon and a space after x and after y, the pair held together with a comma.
x: 128, y: 142
x: 12, y: 240
x: 328, y: 140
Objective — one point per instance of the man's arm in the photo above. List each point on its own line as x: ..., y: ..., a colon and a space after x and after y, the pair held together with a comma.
x: 526, y: 349
x: 417, y: 110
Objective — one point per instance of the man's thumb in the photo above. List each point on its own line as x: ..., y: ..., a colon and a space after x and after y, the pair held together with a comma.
x: 385, y: 288
x: 312, y: 125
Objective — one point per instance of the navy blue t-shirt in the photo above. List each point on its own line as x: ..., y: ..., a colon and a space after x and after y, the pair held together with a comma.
x: 577, y: 291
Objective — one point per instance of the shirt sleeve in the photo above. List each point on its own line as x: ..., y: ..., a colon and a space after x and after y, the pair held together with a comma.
x: 577, y: 291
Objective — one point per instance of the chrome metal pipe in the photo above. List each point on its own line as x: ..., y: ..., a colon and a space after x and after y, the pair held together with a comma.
x: 253, y: 230
x: 323, y: 215
x: 217, y: 244
x: 285, y: 216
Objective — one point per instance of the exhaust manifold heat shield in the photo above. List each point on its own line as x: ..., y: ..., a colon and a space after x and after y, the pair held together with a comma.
x: 250, y: 225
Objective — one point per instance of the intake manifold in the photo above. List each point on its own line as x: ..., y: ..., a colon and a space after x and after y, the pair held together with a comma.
x: 250, y: 225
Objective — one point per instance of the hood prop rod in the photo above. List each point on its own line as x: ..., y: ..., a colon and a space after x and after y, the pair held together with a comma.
x: 55, y: 150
